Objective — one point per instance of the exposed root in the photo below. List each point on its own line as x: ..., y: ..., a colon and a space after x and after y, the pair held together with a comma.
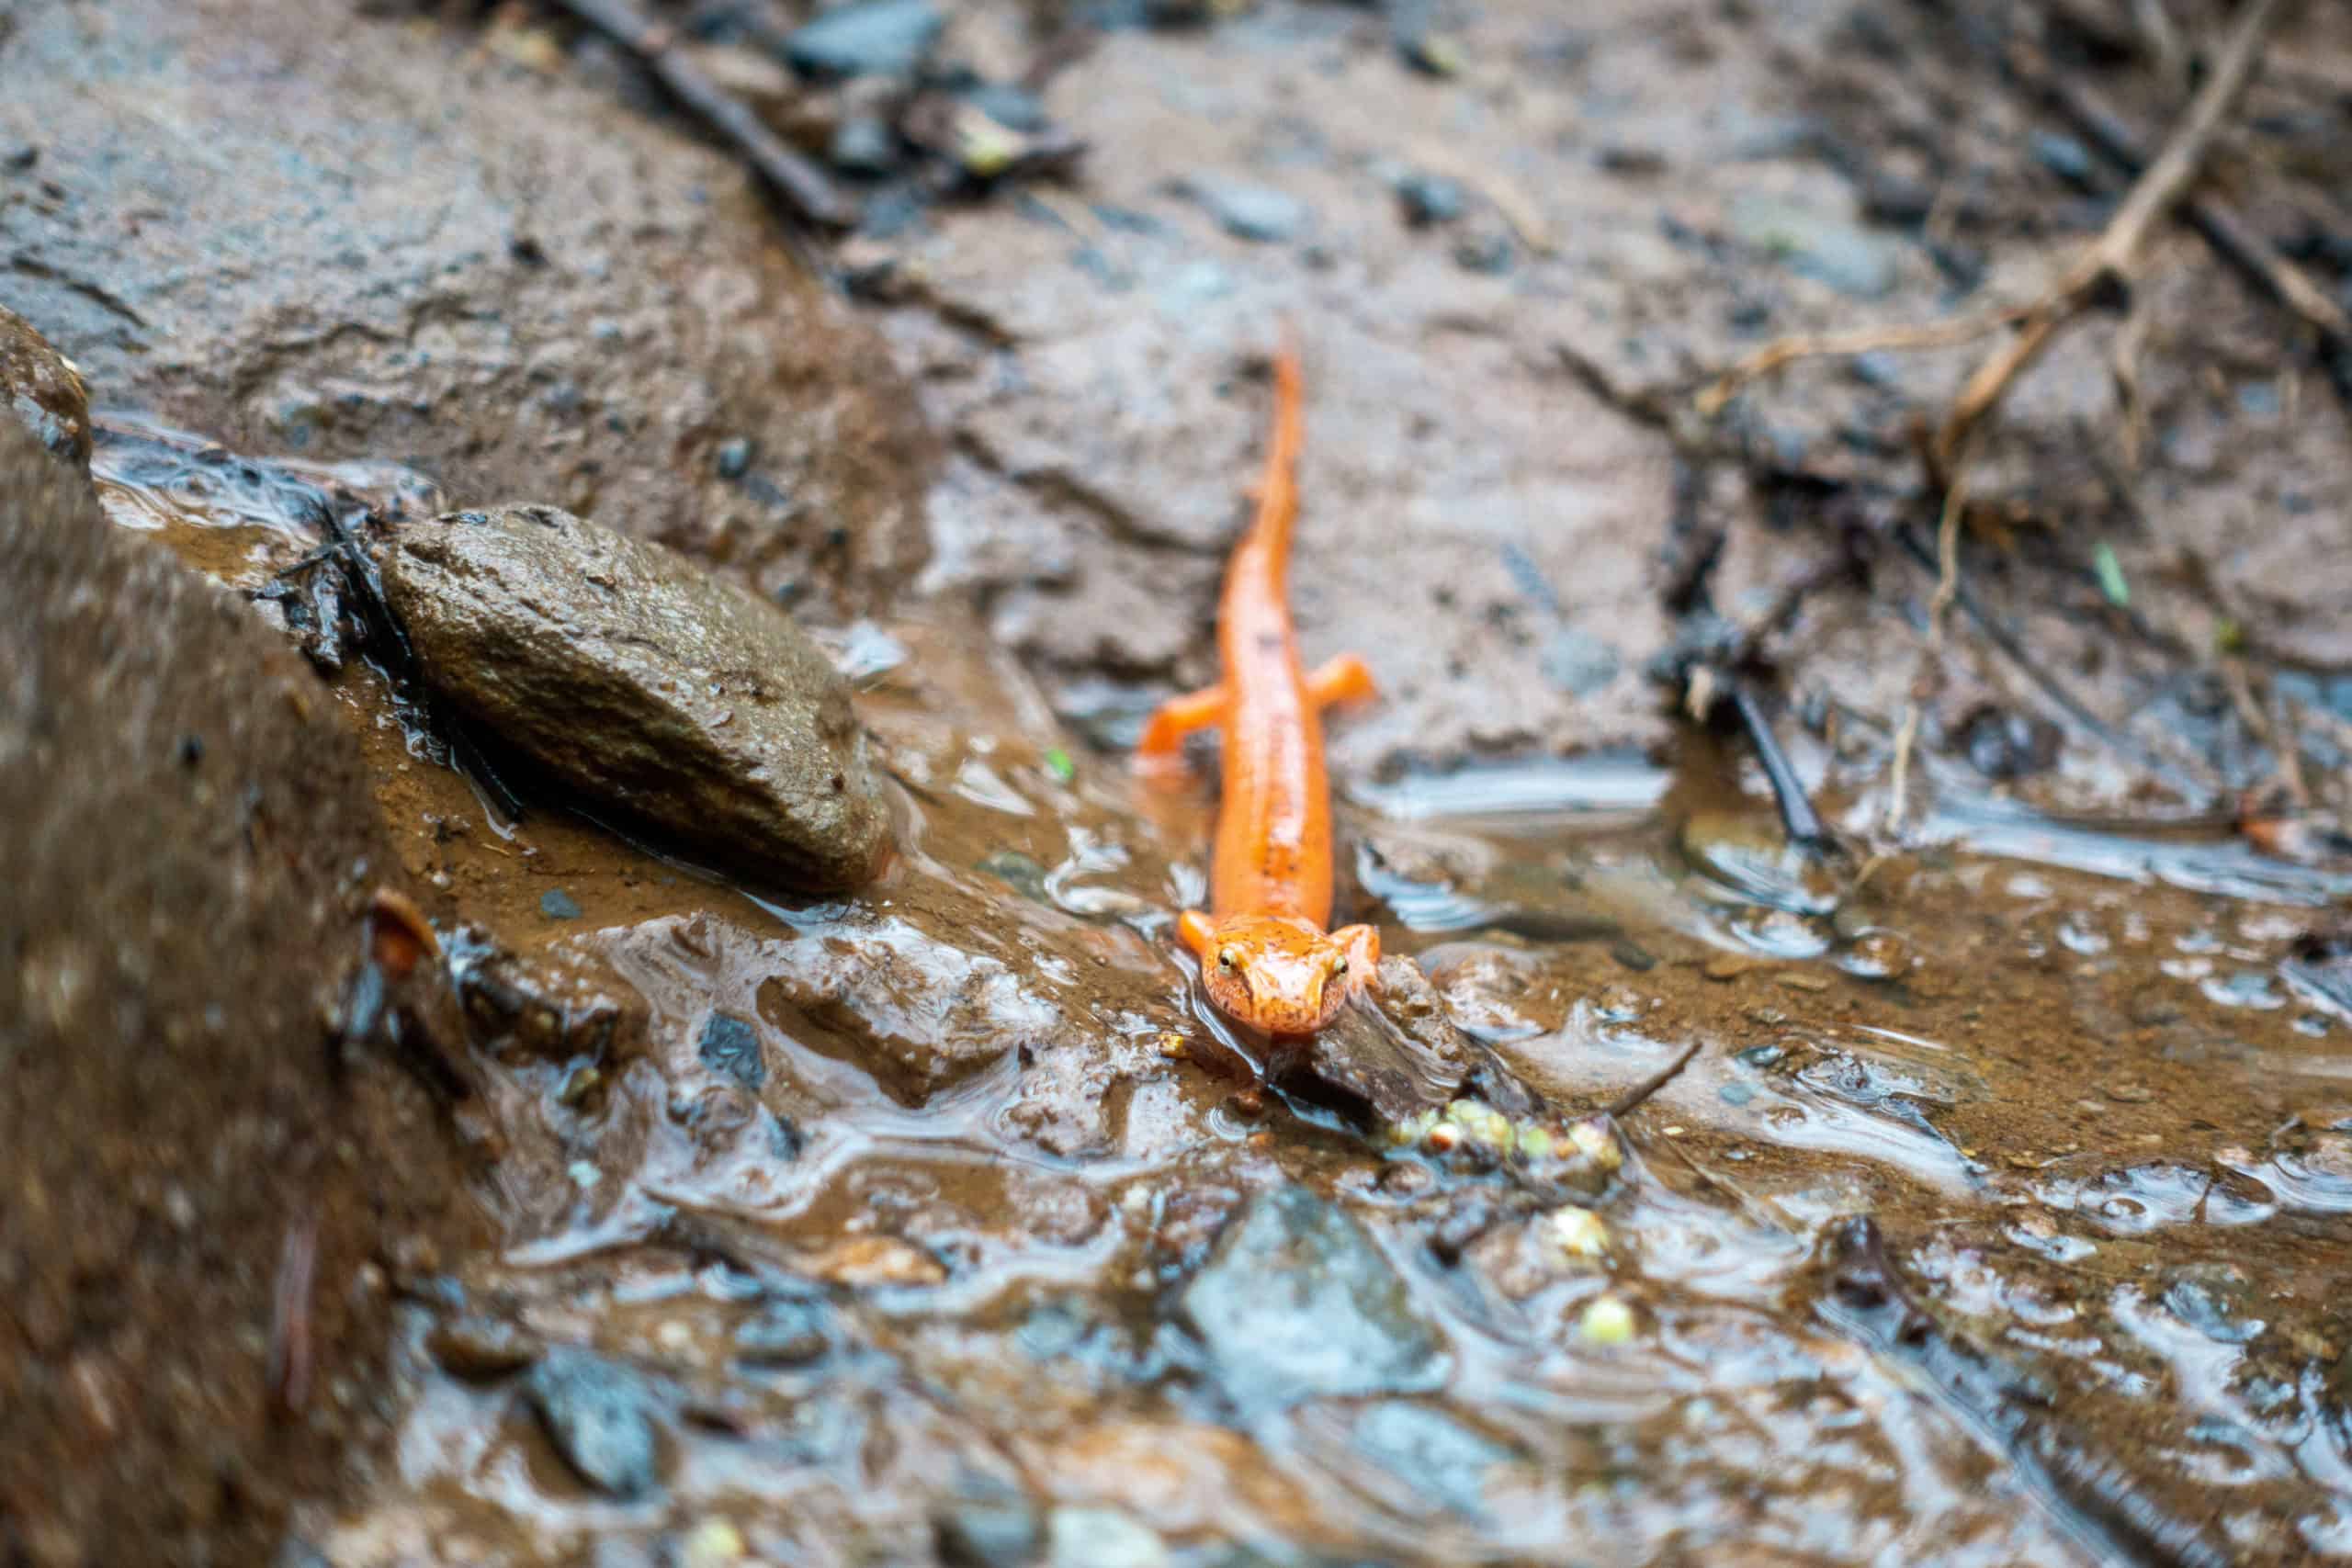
x: 1781, y: 352
x: 2110, y: 262
x: 1899, y: 777
x: 2229, y: 236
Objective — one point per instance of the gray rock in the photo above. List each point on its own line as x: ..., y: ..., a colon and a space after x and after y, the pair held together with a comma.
x: 661, y: 695
x: 788, y: 1333
x: 1488, y: 251
x: 1822, y: 245
x: 596, y: 1413
x: 41, y: 391
x: 1250, y: 212
x: 1011, y: 106
x: 994, y: 1526
x: 1431, y: 1453
x: 1578, y: 663
x: 731, y: 1046
x: 1101, y: 1537
x: 2063, y: 156
x: 867, y: 37
x: 1430, y: 198
x: 863, y: 144
x: 1297, y: 1301
x: 482, y: 1349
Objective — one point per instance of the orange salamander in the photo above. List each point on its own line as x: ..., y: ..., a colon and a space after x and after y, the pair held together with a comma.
x: 1265, y: 957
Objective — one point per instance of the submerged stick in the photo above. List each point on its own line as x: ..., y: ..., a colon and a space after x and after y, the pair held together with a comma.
x: 1631, y: 1101
x: 1798, y: 818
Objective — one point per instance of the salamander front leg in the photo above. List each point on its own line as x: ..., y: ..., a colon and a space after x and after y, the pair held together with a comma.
x: 1346, y: 679
x: 1161, y: 748
x: 1362, y: 945
x: 1198, y: 932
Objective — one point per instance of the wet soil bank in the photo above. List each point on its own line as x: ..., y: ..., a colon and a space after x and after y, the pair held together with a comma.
x: 210, y: 1177
x: 1946, y: 1161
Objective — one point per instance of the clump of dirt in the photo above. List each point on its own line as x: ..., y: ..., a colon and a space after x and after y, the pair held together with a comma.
x: 201, y: 1184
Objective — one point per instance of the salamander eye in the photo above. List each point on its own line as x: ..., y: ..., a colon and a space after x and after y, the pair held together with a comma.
x: 1340, y: 965
x: 1225, y: 959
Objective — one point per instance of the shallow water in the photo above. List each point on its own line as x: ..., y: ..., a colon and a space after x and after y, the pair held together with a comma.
x: 886, y: 1222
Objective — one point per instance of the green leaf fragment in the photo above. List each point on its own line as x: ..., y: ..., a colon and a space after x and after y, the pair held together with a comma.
x: 2111, y: 575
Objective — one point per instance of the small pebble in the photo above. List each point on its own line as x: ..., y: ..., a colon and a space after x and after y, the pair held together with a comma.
x: 596, y: 1413
x: 557, y: 905
x: 996, y: 1532
x: 863, y: 144
x: 1429, y: 198
x: 731, y: 1047
x: 1101, y: 1537
x: 787, y: 1333
x: 711, y: 1544
x: 1014, y: 108
x: 2061, y: 155
x: 479, y: 1348
x: 1255, y: 213
x: 1488, y: 252
x: 867, y: 37
x: 1580, y: 1233
x: 1607, y: 1321
x: 1596, y: 1142
x: 734, y: 458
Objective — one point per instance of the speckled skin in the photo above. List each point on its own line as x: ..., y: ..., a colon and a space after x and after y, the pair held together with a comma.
x: 1265, y: 957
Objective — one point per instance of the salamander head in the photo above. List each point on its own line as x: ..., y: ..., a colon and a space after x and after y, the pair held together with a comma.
x: 1275, y: 973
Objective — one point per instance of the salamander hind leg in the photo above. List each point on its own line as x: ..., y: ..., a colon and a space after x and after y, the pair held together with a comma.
x: 1346, y: 679
x: 1161, y: 747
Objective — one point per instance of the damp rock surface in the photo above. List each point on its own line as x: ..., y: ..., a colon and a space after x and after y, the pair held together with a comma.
x: 41, y: 391
x: 628, y: 674
x: 1297, y: 1303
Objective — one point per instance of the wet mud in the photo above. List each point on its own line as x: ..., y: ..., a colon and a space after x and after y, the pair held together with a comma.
x: 1951, y: 1166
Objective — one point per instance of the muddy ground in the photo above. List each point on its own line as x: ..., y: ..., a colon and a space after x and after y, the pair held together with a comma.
x: 1998, y: 1217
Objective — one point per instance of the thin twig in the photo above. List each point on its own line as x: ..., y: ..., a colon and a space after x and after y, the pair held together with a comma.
x: 1899, y: 777
x: 1948, y: 549
x: 801, y: 186
x: 1786, y: 350
x: 1632, y: 1099
x: 2112, y: 259
x: 2288, y: 743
